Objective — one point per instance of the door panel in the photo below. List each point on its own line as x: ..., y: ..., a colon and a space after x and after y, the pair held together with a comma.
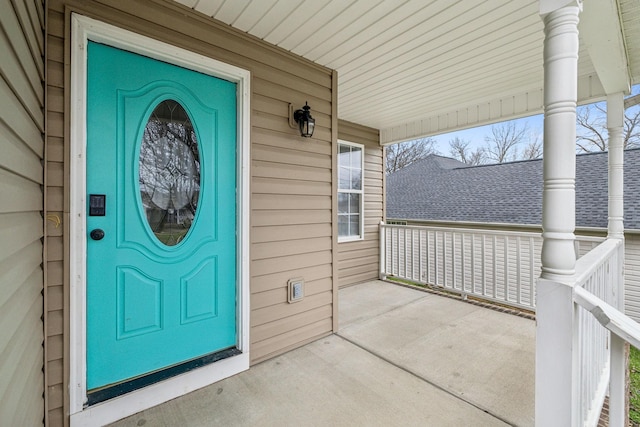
x: 161, y: 147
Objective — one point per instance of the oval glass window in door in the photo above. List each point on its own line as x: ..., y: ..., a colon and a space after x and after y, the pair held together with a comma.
x: 169, y: 172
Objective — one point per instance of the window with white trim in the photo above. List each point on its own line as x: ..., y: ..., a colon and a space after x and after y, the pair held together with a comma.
x: 350, y: 191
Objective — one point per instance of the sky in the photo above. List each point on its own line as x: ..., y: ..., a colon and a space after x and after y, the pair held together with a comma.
x: 476, y: 136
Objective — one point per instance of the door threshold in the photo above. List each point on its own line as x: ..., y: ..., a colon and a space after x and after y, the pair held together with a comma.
x: 112, y: 391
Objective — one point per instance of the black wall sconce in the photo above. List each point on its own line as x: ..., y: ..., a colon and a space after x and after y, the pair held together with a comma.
x: 305, y: 122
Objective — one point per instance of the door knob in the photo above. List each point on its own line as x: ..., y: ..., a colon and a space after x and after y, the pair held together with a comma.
x: 97, y: 234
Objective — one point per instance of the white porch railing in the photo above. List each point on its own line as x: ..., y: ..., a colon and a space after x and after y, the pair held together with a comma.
x: 596, y: 276
x: 500, y: 266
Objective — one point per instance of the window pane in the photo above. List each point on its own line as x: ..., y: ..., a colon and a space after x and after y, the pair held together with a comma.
x: 343, y: 225
x: 354, y: 225
x: 356, y: 157
x: 354, y: 204
x: 343, y: 178
x: 169, y: 172
x: 356, y: 179
x: 343, y: 203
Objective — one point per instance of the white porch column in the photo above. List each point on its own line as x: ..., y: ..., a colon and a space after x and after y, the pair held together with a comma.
x: 615, y: 122
x: 555, y: 366
x: 617, y: 387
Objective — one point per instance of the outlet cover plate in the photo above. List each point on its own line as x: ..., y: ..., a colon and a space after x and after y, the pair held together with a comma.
x: 295, y: 290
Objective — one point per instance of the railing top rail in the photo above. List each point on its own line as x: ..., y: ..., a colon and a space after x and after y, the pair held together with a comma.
x: 609, y: 317
x: 464, y: 230
x: 590, y: 261
x: 484, y: 231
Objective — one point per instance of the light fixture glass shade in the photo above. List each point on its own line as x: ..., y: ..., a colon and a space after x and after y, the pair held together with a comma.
x: 306, y: 123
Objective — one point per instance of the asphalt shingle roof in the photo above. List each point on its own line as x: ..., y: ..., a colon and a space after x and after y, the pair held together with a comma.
x: 443, y: 189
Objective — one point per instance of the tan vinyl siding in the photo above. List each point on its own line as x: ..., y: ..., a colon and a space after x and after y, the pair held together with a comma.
x: 632, y: 275
x: 291, y: 177
x: 21, y: 206
x: 358, y: 261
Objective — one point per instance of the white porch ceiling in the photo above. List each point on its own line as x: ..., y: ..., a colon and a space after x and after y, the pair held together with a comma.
x: 414, y: 68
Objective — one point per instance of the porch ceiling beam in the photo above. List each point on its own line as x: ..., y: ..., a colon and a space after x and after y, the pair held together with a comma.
x: 494, y: 111
x: 602, y: 35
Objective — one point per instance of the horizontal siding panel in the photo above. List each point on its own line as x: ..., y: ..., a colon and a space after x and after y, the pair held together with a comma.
x: 19, y: 120
x: 55, y: 346
x: 55, y: 249
x: 279, y: 90
x: 361, y: 269
x: 288, y: 324
x: 277, y: 280
x: 289, y: 232
x: 289, y: 217
x: 280, y: 344
x: 347, y: 280
x: 55, y: 100
x: 22, y: 55
x: 18, y: 265
x: 54, y: 273
x: 19, y: 194
x: 55, y: 199
x: 55, y: 74
x: 279, y: 249
x: 55, y: 322
x: 21, y: 370
x: 275, y: 265
x: 260, y: 202
x: 18, y: 231
x: 55, y: 149
x: 55, y: 369
x: 289, y: 171
x: 292, y: 157
x: 346, y: 264
x: 55, y: 174
x: 271, y: 138
x: 279, y: 295
x: 348, y: 247
x: 275, y: 312
x: 16, y: 310
x: 18, y: 158
x: 30, y: 96
x: 28, y: 13
x: 55, y: 298
x: 284, y: 186
x: 358, y: 254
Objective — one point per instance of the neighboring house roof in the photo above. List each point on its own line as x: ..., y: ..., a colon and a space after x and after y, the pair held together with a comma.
x: 442, y: 189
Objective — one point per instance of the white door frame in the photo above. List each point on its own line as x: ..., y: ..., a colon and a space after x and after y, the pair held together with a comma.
x: 84, y: 29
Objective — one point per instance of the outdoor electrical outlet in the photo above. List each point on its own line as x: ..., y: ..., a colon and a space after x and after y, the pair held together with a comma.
x: 295, y: 290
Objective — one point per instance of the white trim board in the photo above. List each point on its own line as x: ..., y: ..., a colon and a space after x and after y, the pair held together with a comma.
x: 83, y: 30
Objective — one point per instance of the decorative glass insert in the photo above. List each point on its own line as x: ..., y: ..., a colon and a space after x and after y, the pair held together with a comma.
x: 350, y: 191
x: 169, y: 172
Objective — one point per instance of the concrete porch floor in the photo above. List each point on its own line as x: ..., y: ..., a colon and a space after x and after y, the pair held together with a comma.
x: 401, y: 357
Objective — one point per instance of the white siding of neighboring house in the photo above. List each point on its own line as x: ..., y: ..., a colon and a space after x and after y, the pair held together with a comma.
x: 632, y: 275
x: 451, y: 273
x: 21, y: 206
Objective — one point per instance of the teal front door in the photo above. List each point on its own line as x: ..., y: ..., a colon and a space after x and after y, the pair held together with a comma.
x: 161, y: 219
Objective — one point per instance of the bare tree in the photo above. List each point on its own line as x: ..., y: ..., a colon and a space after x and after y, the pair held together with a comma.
x: 592, y: 128
x: 460, y: 150
x: 502, y: 145
x: 532, y: 151
x: 403, y: 154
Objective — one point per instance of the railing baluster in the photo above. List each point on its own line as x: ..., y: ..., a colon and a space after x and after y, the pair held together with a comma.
x: 443, y: 256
